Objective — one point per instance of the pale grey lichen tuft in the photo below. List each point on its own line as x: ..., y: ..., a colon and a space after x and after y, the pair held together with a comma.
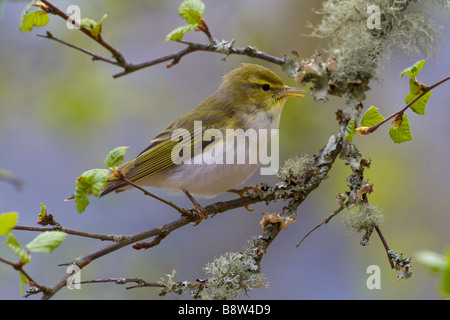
x: 363, y: 218
x: 231, y: 275
x: 404, y: 25
x: 295, y: 167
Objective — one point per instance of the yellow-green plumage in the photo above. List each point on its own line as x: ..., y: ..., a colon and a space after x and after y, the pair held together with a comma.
x: 250, y: 96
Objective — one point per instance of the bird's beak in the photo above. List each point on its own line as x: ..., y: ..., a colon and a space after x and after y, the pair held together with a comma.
x: 288, y: 92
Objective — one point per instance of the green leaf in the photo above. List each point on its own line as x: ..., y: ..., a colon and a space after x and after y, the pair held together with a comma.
x: 7, y: 222
x: 401, y: 132
x: 98, y: 28
x: 371, y: 117
x: 179, y: 32
x: 415, y: 90
x: 24, y: 14
x: 88, y: 23
x: 192, y: 17
x: 23, y: 280
x: 115, y: 157
x: 12, y: 243
x: 46, y: 241
x: 43, y: 212
x: 33, y: 19
x: 438, y: 264
x: 414, y: 70
x: 91, y: 181
x: 444, y: 286
x: 350, y: 130
x: 420, y: 105
x: 435, y: 262
x: 191, y: 10
x: 82, y: 201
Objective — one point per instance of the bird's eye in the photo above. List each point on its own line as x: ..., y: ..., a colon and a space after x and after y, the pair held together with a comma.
x: 265, y: 87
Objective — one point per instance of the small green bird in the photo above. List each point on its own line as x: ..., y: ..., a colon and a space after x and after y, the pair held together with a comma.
x: 197, y: 153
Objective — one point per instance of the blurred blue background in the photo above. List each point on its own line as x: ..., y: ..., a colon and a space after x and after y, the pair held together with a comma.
x: 60, y: 114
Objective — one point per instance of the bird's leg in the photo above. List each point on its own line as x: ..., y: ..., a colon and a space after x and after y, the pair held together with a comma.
x: 201, y: 211
x: 241, y: 193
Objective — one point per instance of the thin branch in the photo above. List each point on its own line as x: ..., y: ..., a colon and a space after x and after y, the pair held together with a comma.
x: 52, y: 9
x: 385, y: 245
x: 151, y: 244
x: 325, y: 161
x: 94, y: 56
x: 139, y: 282
x: 424, y: 91
x: 12, y: 264
x: 19, y: 267
x: 184, y: 212
x: 72, y: 232
x: 154, y: 232
x: 222, y: 47
x: 7, y: 176
x: 325, y: 221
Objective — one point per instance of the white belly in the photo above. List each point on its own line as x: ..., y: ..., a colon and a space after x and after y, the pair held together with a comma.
x: 207, y: 177
x: 204, y: 180
x: 211, y: 173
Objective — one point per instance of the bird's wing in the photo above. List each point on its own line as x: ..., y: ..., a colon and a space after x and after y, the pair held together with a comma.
x: 158, y: 156
x: 155, y: 158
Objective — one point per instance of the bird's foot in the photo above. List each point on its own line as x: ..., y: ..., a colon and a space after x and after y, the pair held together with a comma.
x: 241, y: 193
x: 200, y: 210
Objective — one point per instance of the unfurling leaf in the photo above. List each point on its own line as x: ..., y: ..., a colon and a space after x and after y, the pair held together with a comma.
x: 12, y: 243
x: 95, y: 28
x: 33, y: 19
x: 23, y: 280
x: 25, y: 13
x: 92, y: 181
x: 192, y: 11
x: 414, y: 70
x: 190, y: 8
x: 115, y: 157
x: 179, y: 32
x: 402, y: 132
x: 43, y: 212
x: 350, y: 130
x: 47, y: 241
